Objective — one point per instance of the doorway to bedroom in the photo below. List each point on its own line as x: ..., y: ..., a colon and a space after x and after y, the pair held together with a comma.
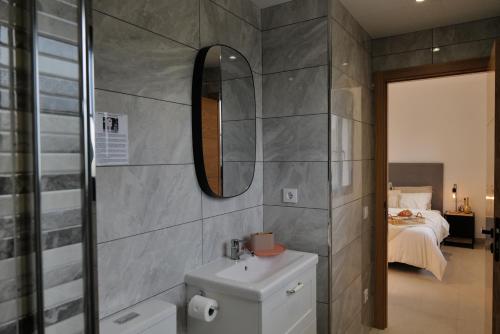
x: 431, y: 199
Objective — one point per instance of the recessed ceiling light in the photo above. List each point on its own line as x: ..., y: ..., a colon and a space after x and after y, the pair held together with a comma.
x: 419, y: 0
x: 436, y: 49
x: 345, y: 63
x: 232, y: 57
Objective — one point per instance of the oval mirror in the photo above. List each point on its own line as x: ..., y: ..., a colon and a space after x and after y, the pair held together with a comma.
x: 223, y: 121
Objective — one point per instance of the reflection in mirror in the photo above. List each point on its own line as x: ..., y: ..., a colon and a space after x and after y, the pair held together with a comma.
x: 223, y: 121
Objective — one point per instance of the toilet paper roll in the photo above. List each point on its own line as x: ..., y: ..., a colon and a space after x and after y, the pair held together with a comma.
x: 203, y: 308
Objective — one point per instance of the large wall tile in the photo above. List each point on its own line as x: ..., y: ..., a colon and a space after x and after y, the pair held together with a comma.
x: 218, y: 26
x: 177, y: 296
x: 346, y: 139
x: 346, y: 266
x: 293, y: 12
x: 340, y: 14
x: 346, y: 225
x: 346, y: 182
x: 346, y: 308
x: 250, y: 198
x: 368, y: 178
x: 132, y: 200
x: 322, y: 318
x: 368, y: 141
x: 322, y: 279
x: 402, y: 43
x: 402, y: 60
x: 310, y: 178
x: 219, y: 230
x: 159, y: 132
x: 298, y: 92
x: 134, y: 61
x: 295, y: 46
x: 346, y: 96
x: 298, y: 228
x: 177, y: 20
x: 467, y: 32
x: 349, y: 56
x: 134, y: 269
x: 245, y: 9
x: 475, y: 49
x: 300, y: 138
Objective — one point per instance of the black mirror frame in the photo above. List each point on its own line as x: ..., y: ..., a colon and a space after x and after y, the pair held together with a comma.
x: 196, y: 122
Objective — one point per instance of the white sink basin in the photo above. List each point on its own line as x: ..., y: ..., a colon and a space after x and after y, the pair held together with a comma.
x: 251, y: 277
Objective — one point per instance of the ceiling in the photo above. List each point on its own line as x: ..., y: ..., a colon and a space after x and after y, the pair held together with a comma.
x: 382, y: 18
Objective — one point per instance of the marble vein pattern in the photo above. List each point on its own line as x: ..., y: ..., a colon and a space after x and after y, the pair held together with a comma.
x: 134, y: 61
x: 219, y: 230
x: 402, y: 60
x: 177, y: 20
x: 132, y: 200
x: 346, y: 266
x: 300, y: 229
x: 144, y: 260
x: 218, y: 26
x: 346, y: 224
x: 467, y: 50
x: 346, y: 308
x: 159, y: 132
x: 238, y: 99
x: 245, y: 9
x: 347, y: 185
x: 238, y: 140
x: 417, y: 40
x: 297, y: 92
x: 295, y: 46
x: 298, y: 138
x: 293, y: 12
x: 342, y: 16
x: 310, y: 178
x: 467, y: 32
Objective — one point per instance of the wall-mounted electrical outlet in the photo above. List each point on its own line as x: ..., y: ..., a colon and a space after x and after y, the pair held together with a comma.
x: 290, y: 195
x: 365, y: 296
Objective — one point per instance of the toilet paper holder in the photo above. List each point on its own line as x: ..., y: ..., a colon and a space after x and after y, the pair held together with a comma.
x: 203, y: 294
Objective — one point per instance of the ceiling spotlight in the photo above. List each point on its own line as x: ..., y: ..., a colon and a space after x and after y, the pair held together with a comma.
x: 436, y: 49
x: 419, y: 0
x: 232, y: 57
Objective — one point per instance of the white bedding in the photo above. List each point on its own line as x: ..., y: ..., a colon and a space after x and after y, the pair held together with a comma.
x: 418, y: 245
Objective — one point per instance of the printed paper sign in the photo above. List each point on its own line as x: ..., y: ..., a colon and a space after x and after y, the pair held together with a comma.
x: 111, y: 139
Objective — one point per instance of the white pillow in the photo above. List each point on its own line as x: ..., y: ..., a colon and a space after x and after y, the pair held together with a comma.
x: 421, y: 201
x: 393, y: 198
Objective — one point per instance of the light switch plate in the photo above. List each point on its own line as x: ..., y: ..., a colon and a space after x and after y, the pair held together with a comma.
x: 366, y: 212
x: 290, y: 195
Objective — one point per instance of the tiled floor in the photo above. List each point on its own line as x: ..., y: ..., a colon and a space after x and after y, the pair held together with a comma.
x: 419, y: 303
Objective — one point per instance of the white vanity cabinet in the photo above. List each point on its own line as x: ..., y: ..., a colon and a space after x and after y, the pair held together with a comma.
x: 280, y: 301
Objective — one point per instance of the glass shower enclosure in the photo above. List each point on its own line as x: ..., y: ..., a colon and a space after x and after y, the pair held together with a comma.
x: 47, y: 247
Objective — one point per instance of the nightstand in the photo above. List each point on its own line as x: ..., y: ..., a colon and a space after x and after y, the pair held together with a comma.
x: 462, y: 229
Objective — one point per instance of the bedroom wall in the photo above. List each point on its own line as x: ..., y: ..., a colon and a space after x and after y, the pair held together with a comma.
x: 443, y: 120
x: 154, y: 223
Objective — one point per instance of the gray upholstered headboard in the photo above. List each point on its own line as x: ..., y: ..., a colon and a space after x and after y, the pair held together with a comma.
x: 418, y: 175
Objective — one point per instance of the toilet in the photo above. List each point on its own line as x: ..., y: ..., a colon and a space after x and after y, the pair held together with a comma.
x: 150, y: 317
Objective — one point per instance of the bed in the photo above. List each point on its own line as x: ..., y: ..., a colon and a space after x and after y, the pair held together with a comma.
x: 419, y: 244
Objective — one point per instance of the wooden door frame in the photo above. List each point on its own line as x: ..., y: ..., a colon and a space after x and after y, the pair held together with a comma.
x: 381, y: 81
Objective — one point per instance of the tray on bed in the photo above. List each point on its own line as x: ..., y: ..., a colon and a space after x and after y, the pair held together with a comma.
x: 412, y: 220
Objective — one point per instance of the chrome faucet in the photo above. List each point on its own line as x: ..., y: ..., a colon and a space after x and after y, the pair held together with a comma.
x: 237, y: 248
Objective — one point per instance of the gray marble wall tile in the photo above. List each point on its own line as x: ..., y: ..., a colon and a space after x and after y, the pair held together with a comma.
x: 134, y: 61
x: 402, y: 43
x: 293, y: 12
x: 257, y: 82
x: 346, y: 266
x: 349, y: 56
x: 402, y: 60
x: 238, y: 99
x: 322, y: 317
x: 177, y: 20
x: 346, y: 308
x: 251, y: 198
x: 219, y: 26
x: 346, y: 96
x: 245, y: 9
x: 340, y: 14
x: 310, y: 178
x: 132, y: 200
x: 177, y: 296
x: 346, y: 139
x: 322, y: 276
x: 369, y: 223
x: 467, y: 32
x: 298, y: 228
x: 63, y: 311
x: 299, y: 138
x: 368, y: 178
x: 237, y: 178
x: 346, y: 182
x: 239, y: 140
x: 295, y: 46
x: 368, y: 141
x: 346, y: 225
x: 298, y: 92
x: 219, y: 230
x: 145, y: 262
x: 367, y: 249
x: 468, y: 50
x: 159, y: 132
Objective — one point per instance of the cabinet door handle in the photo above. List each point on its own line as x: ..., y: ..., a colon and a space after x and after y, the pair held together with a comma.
x: 299, y: 286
